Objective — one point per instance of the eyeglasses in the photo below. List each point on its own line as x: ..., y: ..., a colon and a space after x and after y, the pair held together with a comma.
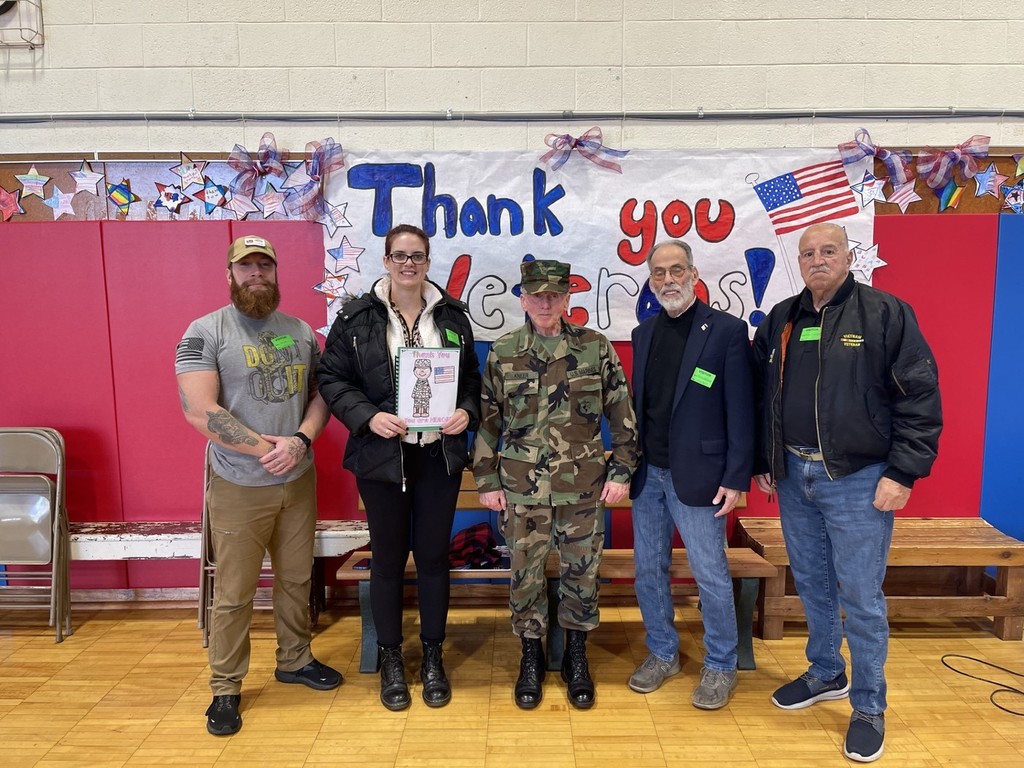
x: 419, y: 257
x: 678, y: 272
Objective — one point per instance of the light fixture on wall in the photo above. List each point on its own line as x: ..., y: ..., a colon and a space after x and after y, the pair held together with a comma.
x: 21, y: 24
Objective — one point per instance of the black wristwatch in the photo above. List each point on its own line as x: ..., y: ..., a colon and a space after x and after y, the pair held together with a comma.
x: 304, y: 438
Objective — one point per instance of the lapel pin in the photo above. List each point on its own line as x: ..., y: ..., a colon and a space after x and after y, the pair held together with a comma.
x: 704, y: 327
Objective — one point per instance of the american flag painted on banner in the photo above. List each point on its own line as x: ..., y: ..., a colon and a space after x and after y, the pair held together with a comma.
x: 810, y: 195
x: 444, y: 374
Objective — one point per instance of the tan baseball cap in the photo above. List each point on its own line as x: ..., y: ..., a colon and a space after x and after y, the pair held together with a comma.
x: 247, y: 244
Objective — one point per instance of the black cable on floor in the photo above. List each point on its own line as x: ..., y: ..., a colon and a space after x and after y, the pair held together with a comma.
x: 1004, y: 688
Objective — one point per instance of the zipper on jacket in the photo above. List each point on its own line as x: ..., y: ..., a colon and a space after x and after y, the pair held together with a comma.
x: 775, y: 396
x: 897, y: 382
x: 355, y: 351
x: 817, y: 382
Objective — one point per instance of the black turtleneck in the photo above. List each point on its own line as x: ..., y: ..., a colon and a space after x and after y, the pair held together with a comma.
x: 667, y: 344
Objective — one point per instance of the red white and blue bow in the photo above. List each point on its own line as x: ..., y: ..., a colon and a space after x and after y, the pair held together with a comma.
x: 589, y: 145
x: 937, y: 165
x: 268, y: 162
x: 897, y: 162
x: 307, y: 201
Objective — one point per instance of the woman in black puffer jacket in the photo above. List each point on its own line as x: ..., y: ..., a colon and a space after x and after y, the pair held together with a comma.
x: 409, y: 481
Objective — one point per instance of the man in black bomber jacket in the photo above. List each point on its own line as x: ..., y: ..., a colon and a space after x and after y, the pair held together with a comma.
x: 850, y: 417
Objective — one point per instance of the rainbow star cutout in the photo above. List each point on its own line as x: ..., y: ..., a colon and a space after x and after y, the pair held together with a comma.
x: 241, y: 206
x: 271, y: 202
x: 122, y: 196
x: 86, y: 180
x: 212, y: 194
x: 1013, y: 197
x: 60, y: 202
x: 989, y: 181
x: 189, y: 171
x: 10, y: 204
x: 33, y: 183
x: 346, y: 256
x: 169, y: 196
x: 949, y: 195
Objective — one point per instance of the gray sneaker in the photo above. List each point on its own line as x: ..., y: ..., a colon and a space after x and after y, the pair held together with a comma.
x: 714, y: 690
x: 652, y: 673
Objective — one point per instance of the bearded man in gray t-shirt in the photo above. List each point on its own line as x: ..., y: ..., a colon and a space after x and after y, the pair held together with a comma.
x: 247, y: 382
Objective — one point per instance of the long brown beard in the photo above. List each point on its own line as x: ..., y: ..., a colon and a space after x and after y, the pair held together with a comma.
x: 255, y: 304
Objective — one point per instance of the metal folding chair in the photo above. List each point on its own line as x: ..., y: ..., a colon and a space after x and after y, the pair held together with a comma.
x: 34, y: 525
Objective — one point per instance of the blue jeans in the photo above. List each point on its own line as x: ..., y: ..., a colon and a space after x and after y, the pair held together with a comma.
x: 838, y: 544
x: 656, y: 512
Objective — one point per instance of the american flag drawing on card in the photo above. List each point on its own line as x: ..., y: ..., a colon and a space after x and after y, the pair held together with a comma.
x: 811, y: 195
x: 444, y: 374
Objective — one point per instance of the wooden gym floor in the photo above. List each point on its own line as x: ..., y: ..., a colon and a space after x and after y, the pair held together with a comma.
x: 130, y: 688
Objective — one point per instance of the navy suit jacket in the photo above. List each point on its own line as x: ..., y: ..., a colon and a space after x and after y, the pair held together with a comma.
x: 711, y: 436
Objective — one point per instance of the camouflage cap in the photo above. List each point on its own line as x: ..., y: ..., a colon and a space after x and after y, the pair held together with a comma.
x: 544, y: 276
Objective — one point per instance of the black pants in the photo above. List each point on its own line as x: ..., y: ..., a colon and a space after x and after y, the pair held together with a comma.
x: 420, y: 519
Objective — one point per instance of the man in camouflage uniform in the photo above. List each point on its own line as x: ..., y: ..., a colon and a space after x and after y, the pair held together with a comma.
x: 546, y: 385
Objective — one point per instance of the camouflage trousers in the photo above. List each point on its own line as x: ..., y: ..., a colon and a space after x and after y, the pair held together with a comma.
x: 577, y: 532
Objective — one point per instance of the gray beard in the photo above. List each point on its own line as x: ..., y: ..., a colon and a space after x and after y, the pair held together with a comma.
x: 676, y: 305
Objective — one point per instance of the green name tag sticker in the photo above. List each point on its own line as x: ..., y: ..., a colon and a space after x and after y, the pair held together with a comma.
x: 451, y: 335
x: 702, y: 377
x: 280, y: 342
x: 811, y: 333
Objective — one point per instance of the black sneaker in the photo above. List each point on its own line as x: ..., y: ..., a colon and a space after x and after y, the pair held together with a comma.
x: 222, y: 718
x: 807, y: 690
x: 315, y: 675
x: 865, y: 738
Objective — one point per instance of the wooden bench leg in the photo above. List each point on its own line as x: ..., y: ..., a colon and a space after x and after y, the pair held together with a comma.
x: 745, y: 593
x: 368, y: 651
x: 771, y: 627
x: 556, y: 637
x: 1009, y: 583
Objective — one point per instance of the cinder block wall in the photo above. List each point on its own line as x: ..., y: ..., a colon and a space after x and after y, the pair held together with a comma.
x: 293, y: 56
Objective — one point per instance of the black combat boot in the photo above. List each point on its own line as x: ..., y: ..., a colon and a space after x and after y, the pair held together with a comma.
x: 576, y: 671
x: 394, y: 690
x: 436, y: 690
x: 531, y: 674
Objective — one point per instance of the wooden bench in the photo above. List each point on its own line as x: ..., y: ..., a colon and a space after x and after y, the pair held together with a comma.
x: 970, y: 544
x: 746, y: 567
x: 153, y: 540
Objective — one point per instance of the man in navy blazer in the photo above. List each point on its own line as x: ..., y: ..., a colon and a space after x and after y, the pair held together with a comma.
x: 692, y: 382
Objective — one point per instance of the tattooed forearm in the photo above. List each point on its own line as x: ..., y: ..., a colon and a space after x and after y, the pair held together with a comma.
x: 228, y: 429
x: 184, y: 400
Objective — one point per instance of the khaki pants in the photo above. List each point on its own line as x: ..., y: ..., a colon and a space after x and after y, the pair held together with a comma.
x: 245, y: 523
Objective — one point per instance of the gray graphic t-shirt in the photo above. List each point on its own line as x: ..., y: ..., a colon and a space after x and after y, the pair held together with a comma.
x: 267, y: 372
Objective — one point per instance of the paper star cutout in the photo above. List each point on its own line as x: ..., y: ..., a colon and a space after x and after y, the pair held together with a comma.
x: 866, y: 261
x: 241, y: 206
x: 122, y: 196
x: 989, y: 181
x: 189, y: 171
x: 869, y: 189
x: 297, y: 176
x: 271, y: 201
x: 169, y: 196
x: 33, y: 183
x: 1013, y: 197
x: 1019, y: 160
x: 212, y: 194
x: 60, y: 202
x: 334, y: 217
x: 904, y: 195
x: 10, y: 204
x: 949, y: 195
x: 346, y: 256
x: 332, y: 285
x: 86, y: 180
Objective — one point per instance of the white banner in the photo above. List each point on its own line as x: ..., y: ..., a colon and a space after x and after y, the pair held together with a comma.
x: 742, y: 213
